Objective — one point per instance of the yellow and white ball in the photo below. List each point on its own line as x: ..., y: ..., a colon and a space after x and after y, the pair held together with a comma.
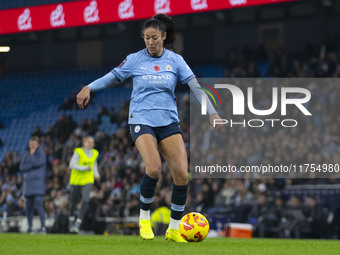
x: 194, y: 227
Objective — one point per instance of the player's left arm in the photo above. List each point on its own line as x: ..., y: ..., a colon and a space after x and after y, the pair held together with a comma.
x: 186, y: 75
x: 198, y: 92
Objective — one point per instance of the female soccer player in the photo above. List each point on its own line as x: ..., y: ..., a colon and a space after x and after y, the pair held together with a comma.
x: 153, y: 116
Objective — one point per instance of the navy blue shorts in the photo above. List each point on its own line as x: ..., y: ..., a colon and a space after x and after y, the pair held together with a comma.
x: 159, y: 133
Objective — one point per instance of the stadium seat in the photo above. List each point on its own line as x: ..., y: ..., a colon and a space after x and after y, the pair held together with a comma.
x: 37, y: 103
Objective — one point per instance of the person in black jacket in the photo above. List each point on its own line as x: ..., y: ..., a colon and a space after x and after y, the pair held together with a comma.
x: 33, y: 167
x: 315, y: 219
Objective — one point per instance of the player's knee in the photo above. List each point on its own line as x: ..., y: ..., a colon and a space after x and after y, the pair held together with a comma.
x: 181, y: 177
x: 154, y: 171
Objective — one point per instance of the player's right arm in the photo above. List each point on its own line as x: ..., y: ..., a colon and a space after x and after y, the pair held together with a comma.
x: 119, y: 73
x: 83, y: 97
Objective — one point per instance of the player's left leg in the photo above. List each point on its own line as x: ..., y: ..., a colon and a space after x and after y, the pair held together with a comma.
x: 85, y: 199
x: 173, y: 150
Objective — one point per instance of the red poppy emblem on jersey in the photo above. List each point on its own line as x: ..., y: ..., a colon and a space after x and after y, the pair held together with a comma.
x: 121, y: 64
x: 157, y: 68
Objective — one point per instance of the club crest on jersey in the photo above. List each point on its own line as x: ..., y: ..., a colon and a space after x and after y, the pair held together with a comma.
x: 168, y: 67
x: 157, y: 68
x: 137, y: 129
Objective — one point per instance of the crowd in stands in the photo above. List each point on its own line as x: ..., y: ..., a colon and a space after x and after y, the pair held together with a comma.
x: 258, y: 201
x: 312, y: 62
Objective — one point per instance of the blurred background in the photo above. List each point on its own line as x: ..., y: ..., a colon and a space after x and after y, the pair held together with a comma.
x: 43, y: 71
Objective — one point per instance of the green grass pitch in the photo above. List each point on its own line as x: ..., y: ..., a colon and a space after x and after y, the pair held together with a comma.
x: 17, y: 244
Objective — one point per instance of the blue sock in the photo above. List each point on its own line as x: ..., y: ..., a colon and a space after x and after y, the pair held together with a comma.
x: 147, y: 191
x: 178, y: 199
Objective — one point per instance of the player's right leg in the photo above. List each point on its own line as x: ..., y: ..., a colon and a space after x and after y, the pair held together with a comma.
x: 85, y: 199
x: 147, y: 147
x: 173, y: 151
x: 74, y: 197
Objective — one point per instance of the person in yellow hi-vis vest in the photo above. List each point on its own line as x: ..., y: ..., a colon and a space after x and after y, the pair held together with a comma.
x: 84, y: 170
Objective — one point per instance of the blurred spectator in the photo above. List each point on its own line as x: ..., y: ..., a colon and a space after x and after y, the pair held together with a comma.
x: 160, y: 219
x: 63, y: 128
x: 69, y: 103
x: 33, y: 167
x: 315, y: 218
x: 7, y: 201
x: 84, y: 171
x: 10, y: 164
x: 89, y: 126
x: 274, y: 217
x: 37, y: 132
x: 292, y: 220
x: 11, y: 203
x: 61, y: 223
x: 258, y: 215
x: 242, y: 195
x: 50, y: 208
x: 226, y: 196
x: 113, y: 115
x: 103, y: 117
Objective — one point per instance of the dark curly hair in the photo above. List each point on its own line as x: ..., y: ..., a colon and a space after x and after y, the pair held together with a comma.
x: 164, y: 23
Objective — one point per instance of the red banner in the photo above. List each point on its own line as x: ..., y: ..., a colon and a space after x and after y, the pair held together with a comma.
x: 82, y: 13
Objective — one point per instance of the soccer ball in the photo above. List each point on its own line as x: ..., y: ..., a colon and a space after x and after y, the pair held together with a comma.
x: 194, y: 227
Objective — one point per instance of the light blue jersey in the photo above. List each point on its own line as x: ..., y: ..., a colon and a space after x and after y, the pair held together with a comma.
x: 153, y: 100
